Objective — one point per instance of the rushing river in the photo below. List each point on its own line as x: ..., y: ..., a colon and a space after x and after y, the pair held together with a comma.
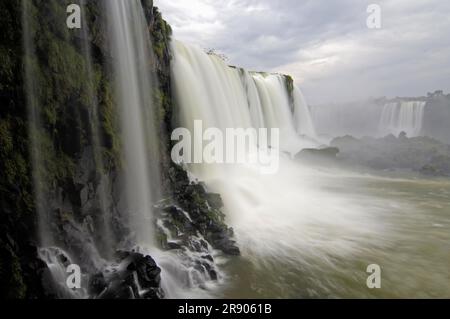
x: 411, y: 244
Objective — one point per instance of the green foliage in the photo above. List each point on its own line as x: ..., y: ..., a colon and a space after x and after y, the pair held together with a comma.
x: 11, y: 279
x: 161, y: 34
x: 289, y: 84
x: 109, y: 127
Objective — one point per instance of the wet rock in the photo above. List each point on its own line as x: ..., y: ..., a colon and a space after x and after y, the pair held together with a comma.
x: 135, y: 276
x: 328, y: 153
x: 97, y: 284
x: 173, y: 246
x: 208, y: 257
x: 214, y: 200
x: 197, y: 211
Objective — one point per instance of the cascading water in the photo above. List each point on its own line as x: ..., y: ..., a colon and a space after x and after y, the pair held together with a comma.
x: 34, y: 122
x: 303, y: 232
x: 405, y: 116
x: 58, y: 262
x: 106, y: 237
x: 302, y: 115
x: 281, y: 218
x: 131, y: 51
x: 41, y: 138
x: 235, y: 98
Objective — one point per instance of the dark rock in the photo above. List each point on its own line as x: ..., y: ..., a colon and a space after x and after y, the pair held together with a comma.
x: 329, y: 153
x: 134, y: 272
x: 228, y: 246
x: 208, y: 257
x: 173, y: 246
x: 97, y: 284
x: 214, y: 200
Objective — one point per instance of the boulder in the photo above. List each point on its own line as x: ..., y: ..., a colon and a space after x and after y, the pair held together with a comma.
x: 135, y: 276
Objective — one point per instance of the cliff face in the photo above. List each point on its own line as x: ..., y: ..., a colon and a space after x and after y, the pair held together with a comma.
x: 65, y: 76
x: 17, y: 208
x: 65, y: 102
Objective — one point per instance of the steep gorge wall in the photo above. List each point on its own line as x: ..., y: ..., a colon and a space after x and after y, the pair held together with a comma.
x: 65, y: 136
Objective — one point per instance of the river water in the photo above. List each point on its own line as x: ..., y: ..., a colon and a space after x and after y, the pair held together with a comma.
x: 410, y: 242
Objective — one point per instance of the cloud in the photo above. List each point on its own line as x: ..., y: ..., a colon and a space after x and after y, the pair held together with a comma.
x: 325, y: 44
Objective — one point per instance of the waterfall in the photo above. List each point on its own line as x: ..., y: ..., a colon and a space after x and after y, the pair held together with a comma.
x: 57, y: 262
x: 405, y: 116
x: 106, y: 237
x: 285, y: 216
x: 42, y: 150
x: 34, y: 123
x: 302, y: 115
x: 228, y: 97
x: 66, y: 227
x: 131, y: 51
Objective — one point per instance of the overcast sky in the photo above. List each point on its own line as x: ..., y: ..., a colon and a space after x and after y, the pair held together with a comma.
x: 326, y: 45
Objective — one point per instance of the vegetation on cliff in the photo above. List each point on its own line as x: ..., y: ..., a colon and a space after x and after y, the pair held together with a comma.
x: 71, y: 85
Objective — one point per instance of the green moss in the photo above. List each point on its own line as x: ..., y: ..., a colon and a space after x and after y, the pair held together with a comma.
x: 161, y: 35
x: 6, y: 139
x: 12, y: 283
x: 109, y: 127
x: 290, y: 90
x: 289, y: 84
x: 161, y: 237
x: 54, y: 164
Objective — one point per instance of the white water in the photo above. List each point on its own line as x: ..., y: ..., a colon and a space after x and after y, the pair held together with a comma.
x: 402, y: 117
x: 302, y: 115
x: 288, y: 216
x: 131, y: 51
x: 57, y: 262
x: 225, y: 97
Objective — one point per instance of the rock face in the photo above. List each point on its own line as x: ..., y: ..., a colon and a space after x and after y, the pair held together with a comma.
x: 20, y: 268
x: 192, y: 211
x: 77, y: 187
x: 324, y: 154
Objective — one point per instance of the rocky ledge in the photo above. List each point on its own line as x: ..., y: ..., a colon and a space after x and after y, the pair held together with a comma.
x: 193, y: 211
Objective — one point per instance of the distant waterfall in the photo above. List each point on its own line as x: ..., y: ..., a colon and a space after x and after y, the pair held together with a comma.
x: 400, y: 117
x: 302, y: 115
x: 131, y: 50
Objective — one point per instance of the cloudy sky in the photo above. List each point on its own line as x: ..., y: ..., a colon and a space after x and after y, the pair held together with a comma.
x: 325, y: 44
